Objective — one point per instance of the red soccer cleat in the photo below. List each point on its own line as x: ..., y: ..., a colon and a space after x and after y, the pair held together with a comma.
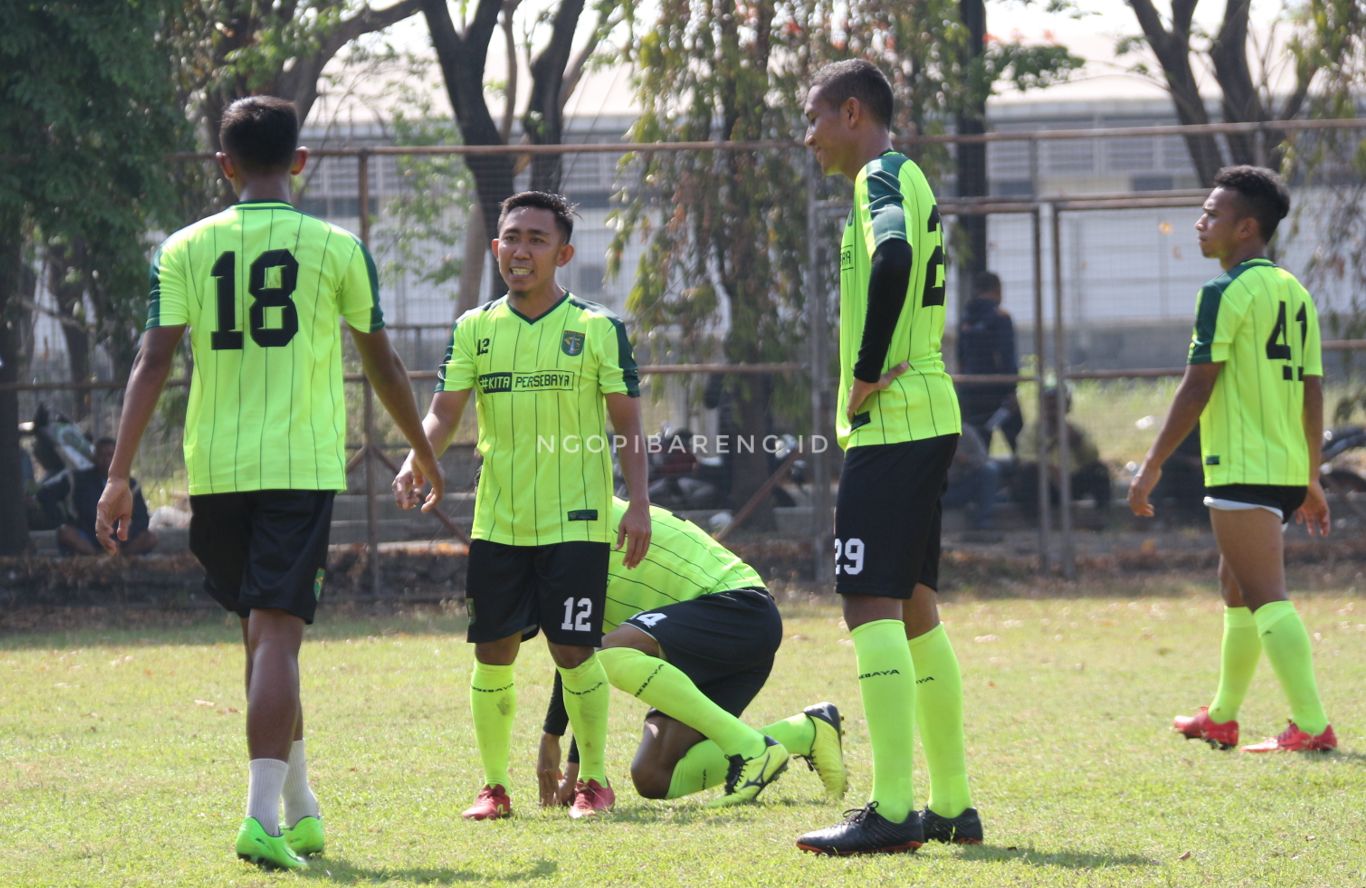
x: 491, y: 804
x: 591, y: 799
x: 1221, y: 735
x: 1292, y: 739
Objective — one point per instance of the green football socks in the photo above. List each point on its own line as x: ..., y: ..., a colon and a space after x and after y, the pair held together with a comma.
x: 886, y: 677
x: 939, y: 715
x: 1286, y: 644
x: 1238, y: 656
x: 663, y: 686
x: 493, y: 705
x: 586, y: 697
x: 705, y: 765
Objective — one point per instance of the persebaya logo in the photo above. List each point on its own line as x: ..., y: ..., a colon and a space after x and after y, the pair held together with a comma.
x: 318, y: 584
x: 572, y: 343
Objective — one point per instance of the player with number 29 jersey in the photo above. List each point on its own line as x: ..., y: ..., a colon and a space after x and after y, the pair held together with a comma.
x: 892, y: 199
x: 261, y: 286
x: 1261, y: 323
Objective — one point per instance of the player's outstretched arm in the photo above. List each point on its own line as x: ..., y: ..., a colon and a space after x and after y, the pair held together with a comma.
x: 437, y: 428
x: 1191, y: 397
x: 634, y: 529
x: 114, y: 513
x: 1313, y: 514
x: 385, y: 370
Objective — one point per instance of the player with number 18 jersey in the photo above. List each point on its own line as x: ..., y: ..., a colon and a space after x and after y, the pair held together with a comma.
x: 261, y: 286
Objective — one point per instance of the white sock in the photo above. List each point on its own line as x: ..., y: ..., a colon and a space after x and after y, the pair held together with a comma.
x: 267, y: 777
x: 300, y: 802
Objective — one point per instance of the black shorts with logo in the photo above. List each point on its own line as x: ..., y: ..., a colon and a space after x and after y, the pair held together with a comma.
x: 887, y: 517
x: 264, y: 549
x: 558, y: 588
x: 723, y: 642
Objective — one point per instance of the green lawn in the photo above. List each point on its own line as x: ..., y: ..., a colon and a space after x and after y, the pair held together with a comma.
x: 123, y: 758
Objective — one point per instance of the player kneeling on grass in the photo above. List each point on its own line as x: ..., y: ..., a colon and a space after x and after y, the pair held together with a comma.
x: 692, y: 632
x: 265, y: 447
x: 1255, y: 384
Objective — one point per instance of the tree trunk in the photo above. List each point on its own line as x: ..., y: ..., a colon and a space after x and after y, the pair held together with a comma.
x: 13, y: 520
x: 66, y: 271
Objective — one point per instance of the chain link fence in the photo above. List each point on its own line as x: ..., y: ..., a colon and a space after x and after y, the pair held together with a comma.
x: 1089, y: 233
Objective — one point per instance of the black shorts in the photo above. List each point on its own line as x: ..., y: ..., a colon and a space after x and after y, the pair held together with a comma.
x: 558, y: 588
x: 723, y: 642
x: 1282, y: 498
x: 887, y: 517
x: 263, y: 549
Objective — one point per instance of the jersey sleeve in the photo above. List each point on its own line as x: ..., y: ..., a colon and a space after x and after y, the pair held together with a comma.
x: 617, y: 371
x: 886, y: 207
x: 456, y: 372
x: 1313, y: 348
x: 168, y: 300
x: 358, y: 296
x: 1218, y: 314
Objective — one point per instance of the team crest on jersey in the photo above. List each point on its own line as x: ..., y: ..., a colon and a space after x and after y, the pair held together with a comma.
x: 572, y: 343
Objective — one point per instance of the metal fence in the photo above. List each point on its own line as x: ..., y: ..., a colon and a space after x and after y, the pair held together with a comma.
x: 1101, y: 284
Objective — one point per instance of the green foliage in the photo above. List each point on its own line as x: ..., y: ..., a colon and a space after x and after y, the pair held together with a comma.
x: 88, y: 117
x: 419, y: 237
x: 725, y: 232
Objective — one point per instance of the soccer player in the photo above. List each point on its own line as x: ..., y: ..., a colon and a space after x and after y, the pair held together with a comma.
x: 898, y: 420
x: 543, y: 364
x: 262, y: 288
x: 1254, y: 382
x: 692, y: 631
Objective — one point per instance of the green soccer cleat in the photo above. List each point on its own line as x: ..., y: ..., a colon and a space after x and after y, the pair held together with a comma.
x: 749, y: 776
x: 827, y: 749
x: 256, y: 845
x: 306, y: 836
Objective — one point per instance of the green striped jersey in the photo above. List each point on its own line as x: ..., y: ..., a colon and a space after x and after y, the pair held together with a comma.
x: 683, y: 563
x: 892, y: 199
x: 261, y: 287
x: 539, y: 386
x: 1261, y: 324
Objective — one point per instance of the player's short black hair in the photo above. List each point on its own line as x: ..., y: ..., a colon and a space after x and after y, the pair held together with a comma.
x: 856, y: 79
x: 1262, y: 194
x: 986, y: 282
x: 260, y: 134
x: 557, y: 204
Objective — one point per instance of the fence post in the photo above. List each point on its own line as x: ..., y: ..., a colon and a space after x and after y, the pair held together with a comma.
x: 816, y: 332
x: 1066, y: 556
x: 363, y: 196
x: 371, y: 516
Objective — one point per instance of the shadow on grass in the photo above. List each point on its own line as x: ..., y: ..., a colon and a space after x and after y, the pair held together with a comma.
x: 1067, y: 859
x: 342, y: 871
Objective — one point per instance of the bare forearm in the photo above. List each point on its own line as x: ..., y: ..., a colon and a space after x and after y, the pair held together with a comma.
x: 1182, y: 417
x: 1313, y: 423
x: 139, y: 400
x: 625, y: 413
x: 390, y: 379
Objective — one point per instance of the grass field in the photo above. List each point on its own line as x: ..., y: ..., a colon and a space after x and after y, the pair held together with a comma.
x: 123, y: 758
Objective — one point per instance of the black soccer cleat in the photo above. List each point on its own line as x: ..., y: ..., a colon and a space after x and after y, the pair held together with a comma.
x: 965, y: 829
x: 864, y: 831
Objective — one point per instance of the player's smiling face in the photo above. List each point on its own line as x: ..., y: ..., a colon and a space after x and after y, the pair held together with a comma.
x: 529, y: 248
x: 825, y: 134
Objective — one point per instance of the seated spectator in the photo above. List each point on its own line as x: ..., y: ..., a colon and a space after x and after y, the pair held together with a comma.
x: 974, y: 479
x: 76, y: 535
x: 1089, y: 476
